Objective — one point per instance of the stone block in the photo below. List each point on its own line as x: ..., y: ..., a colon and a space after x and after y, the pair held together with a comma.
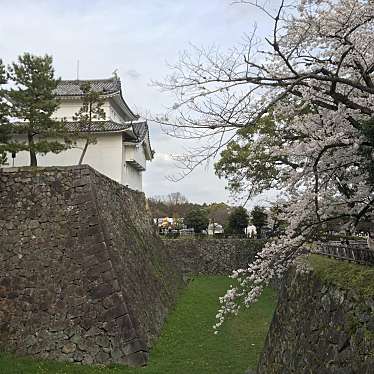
x: 101, y: 291
x: 69, y: 348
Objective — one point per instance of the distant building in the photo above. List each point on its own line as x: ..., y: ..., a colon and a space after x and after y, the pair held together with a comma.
x: 251, y: 231
x: 215, y: 228
x: 123, y: 145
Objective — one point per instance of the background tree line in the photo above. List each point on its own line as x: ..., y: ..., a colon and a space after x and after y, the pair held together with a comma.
x: 233, y: 219
x: 177, y: 205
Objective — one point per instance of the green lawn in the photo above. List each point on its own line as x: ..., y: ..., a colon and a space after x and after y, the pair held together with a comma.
x: 187, y: 344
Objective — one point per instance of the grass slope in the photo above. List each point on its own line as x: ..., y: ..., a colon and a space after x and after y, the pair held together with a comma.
x: 187, y: 344
x: 346, y: 275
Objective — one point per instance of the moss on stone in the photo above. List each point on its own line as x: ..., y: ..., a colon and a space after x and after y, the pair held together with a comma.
x: 347, y: 275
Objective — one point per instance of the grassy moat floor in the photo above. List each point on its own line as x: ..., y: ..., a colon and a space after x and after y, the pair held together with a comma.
x: 187, y: 344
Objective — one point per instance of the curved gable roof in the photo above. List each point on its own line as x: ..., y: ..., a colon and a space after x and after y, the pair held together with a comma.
x: 110, y: 87
x: 73, y: 87
x: 140, y: 134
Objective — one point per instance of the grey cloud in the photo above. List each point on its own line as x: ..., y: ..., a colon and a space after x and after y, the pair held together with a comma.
x: 132, y: 73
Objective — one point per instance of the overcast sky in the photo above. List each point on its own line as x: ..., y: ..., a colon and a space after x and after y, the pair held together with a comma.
x: 137, y: 37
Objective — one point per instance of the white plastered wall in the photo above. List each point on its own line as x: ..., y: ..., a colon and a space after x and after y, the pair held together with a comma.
x: 105, y: 156
x: 131, y: 176
x: 69, y: 107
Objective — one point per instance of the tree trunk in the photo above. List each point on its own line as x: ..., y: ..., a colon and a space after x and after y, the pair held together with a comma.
x: 89, y: 132
x: 33, y: 160
x: 83, y: 153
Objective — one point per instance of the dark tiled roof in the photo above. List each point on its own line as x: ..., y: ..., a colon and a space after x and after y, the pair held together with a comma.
x: 72, y: 87
x: 99, y: 126
x: 136, y: 131
x: 140, y: 130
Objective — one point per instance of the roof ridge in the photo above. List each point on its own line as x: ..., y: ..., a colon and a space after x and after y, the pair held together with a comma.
x: 111, y: 79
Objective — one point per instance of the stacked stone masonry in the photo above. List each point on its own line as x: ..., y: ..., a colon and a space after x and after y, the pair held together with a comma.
x: 83, y: 276
x: 319, y: 328
x: 212, y: 256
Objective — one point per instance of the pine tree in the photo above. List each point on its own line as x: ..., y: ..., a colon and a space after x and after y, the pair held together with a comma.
x: 197, y: 219
x: 238, y: 220
x: 91, y: 111
x: 34, y: 103
x: 259, y: 218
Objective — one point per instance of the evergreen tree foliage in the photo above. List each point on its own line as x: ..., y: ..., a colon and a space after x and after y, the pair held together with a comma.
x: 90, y: 111
x: 33, y: 103
x: 219, y: 213
x: 259, y: 219
x: 197, y: 219
x: 248, y: 164
x: 238, y: 220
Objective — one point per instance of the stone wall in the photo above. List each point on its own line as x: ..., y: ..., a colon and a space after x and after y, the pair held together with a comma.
x: 83, y: 276
x: 212, y: 256
x: 320, y: 327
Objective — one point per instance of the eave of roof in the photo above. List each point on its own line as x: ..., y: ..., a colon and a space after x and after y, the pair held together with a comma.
x: 110, y: 87
x: 140, y: 135
x: 119, y: 100
x: 135, y: 164
x: 101, y: 127
x: 98, y: 127
x: 141, y: 130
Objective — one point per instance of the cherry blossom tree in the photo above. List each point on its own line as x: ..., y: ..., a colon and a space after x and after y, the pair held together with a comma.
x: 312, y: 80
